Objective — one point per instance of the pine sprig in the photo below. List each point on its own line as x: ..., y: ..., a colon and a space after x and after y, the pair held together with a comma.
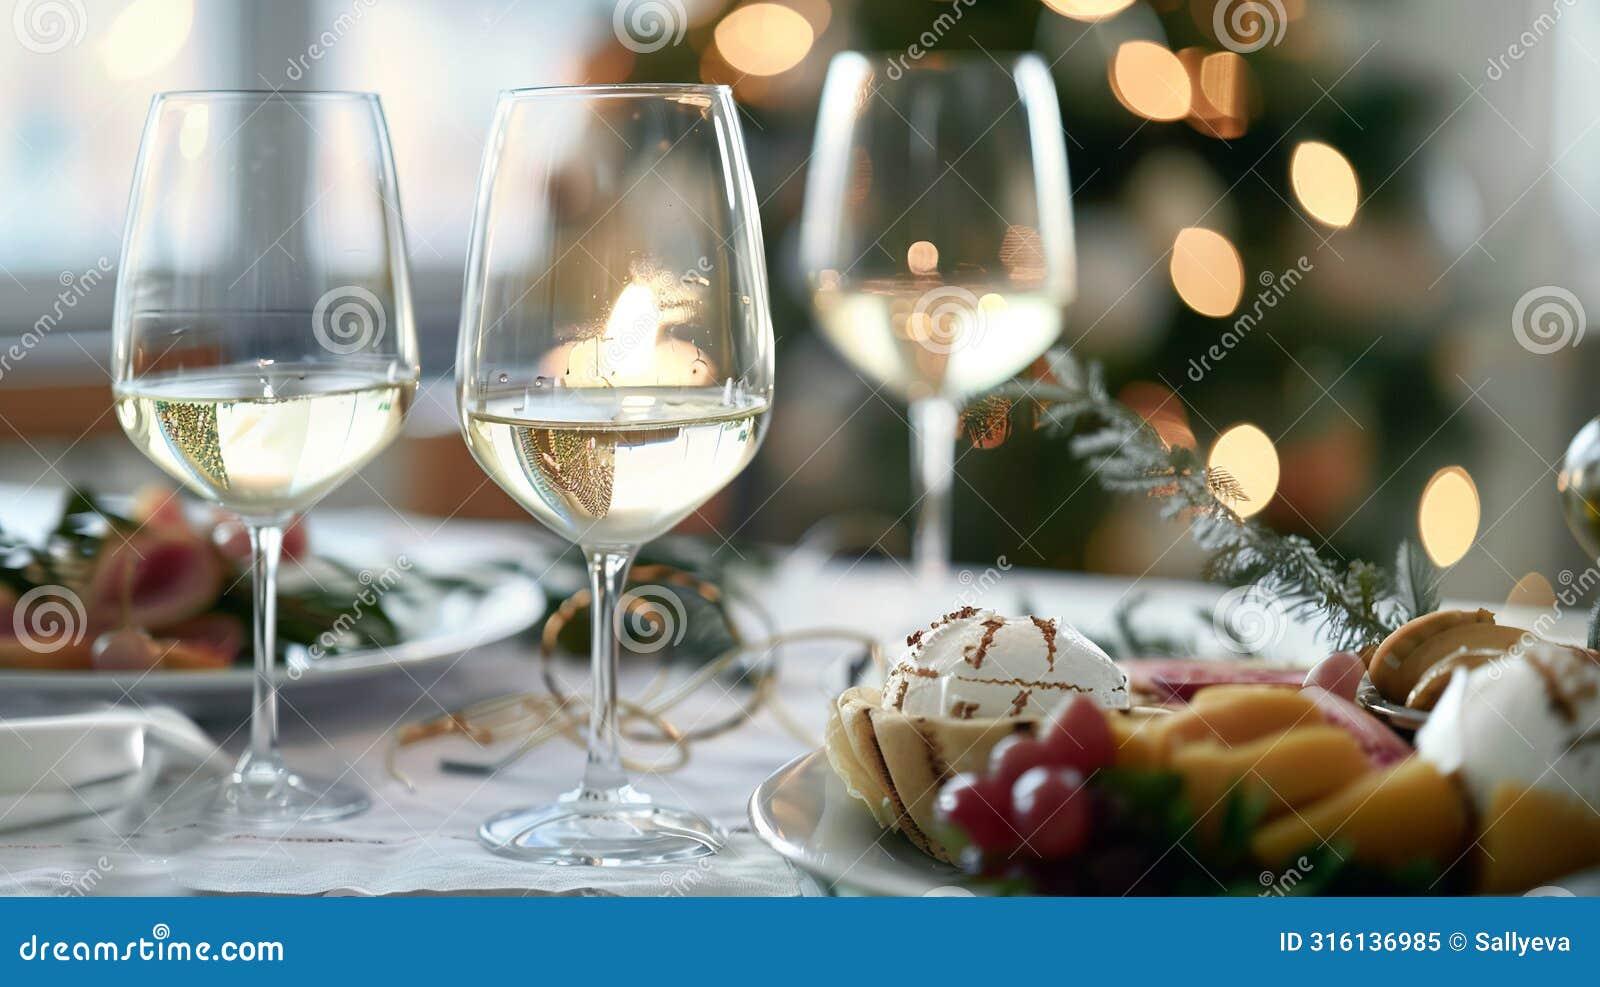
x: 1417, y: 579
x: 1358, y: 602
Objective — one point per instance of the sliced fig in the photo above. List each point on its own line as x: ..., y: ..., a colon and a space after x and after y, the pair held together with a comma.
x: 1176, y: 680
x: 17, y: 654
x: 158, y: 578
x: 182, y: 656
x: 296, y: 542
x: 220, y: 634
x: 160, y: 507
x: 129, y: 649
x: 1381, y: 744
x: 233, y: 540
x: 46, y: 629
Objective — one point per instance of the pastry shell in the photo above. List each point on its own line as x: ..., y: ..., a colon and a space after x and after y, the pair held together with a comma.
x: 897, y: 763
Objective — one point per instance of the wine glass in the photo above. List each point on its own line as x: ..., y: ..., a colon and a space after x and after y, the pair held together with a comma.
x: 615, y: 371
x: 937, y: 240
x: 263, y: 342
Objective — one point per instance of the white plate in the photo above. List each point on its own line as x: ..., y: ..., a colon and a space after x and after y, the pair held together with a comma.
x: 496, y: 607
x: 1400, y: 717
x: 803, y: 812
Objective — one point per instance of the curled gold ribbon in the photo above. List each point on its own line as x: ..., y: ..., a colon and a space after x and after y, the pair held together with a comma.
x: 540, y: 717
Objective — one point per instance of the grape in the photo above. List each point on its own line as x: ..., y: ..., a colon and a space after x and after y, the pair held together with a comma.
x: 981, y: 808
x: 1012, y: 756
x: 126, y: 649
x: 1340, y: 673
x: 1080, y: 737
x: 1053, y: 810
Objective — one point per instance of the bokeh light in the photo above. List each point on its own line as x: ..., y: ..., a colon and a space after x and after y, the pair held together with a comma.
x: 764, y: 38
x: 1247, y: 455
x: 922, y: 257
x: 145, y: 36
x: 1022, y: 254
x: 196, y: 131
x: 818, y: 13
x: 1088, y: 10
x: 1224, y: 92
x: 1149, y: 80
x: 1158, y: 405
x: 1448, y: 515
x: 1532, y: 590
x: 1206, y: 271
x: 1325, y: 183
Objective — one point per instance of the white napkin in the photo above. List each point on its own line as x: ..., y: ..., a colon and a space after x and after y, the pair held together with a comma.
x: 60, y: 765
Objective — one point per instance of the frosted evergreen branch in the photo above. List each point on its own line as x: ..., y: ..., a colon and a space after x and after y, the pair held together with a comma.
x: 1359, y: 603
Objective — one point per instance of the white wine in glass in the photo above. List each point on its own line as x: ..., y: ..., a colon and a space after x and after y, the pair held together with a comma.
x: 264, y: 441
x: 615, y: 372
x: 959, y: 342
x: 937, y: 238
x: 610, y: 467
x: 263, y: 345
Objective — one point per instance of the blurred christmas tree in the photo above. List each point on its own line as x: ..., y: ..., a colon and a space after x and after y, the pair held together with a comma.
x: 1251, y: 249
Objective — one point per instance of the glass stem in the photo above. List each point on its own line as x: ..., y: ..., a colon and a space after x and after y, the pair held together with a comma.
x: 603, y: 777
x: 933, y: 440
x: 263, y: 762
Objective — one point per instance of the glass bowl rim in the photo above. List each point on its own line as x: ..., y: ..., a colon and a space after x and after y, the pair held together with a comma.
x: 288, y: 95
x: 617, y: 89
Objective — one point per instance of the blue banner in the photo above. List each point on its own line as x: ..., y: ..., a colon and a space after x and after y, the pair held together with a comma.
x: 681, y: 940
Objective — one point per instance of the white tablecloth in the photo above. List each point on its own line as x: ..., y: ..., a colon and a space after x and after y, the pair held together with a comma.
x: 424, y: 841
x: 409, y: 841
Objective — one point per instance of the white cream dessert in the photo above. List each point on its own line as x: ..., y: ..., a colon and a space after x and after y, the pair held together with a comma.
x: 968, y: 682
x: 975, y: 664
x: 1531, y: 721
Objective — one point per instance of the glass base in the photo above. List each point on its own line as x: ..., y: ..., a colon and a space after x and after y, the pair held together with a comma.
x: 282, y: 798
x: 621, y: 829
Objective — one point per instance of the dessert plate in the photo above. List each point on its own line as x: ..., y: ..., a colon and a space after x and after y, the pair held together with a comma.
x: 1397, y: 716
x: 804, y: 813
